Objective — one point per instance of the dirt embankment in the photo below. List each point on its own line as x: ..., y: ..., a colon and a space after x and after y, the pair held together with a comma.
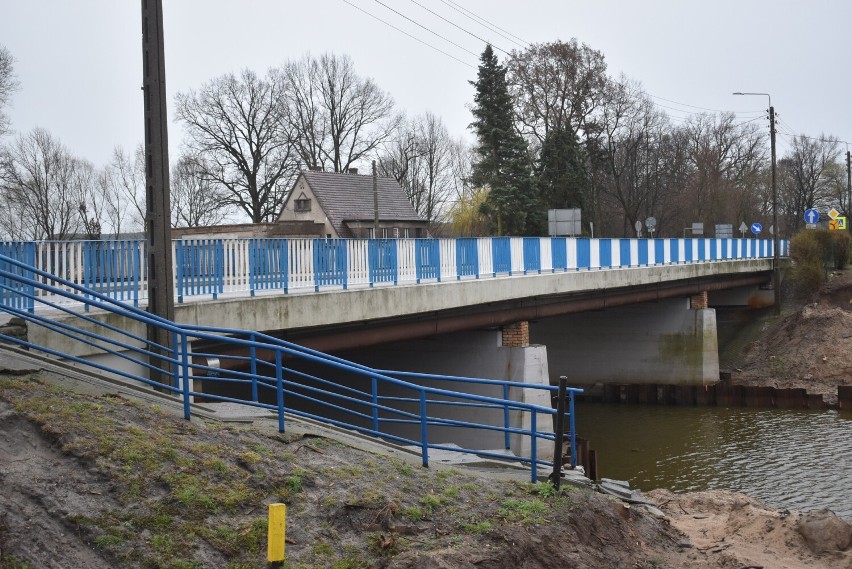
x: 809, y: 345
x: 104, y: 481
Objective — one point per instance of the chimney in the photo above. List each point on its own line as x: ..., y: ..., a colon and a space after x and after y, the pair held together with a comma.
x: 315, y: 168
x: 352, y: 170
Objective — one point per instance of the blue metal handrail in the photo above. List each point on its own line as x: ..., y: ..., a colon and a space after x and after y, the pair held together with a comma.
x: 384, y: 409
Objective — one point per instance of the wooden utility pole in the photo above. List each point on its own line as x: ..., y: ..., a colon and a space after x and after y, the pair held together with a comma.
x: 375, y: 203
x: 158, y: 232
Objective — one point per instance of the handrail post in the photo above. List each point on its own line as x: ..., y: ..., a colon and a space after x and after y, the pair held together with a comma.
x: 506, y: 435
x: 279, y: 387
x: 533, y: 449
x: 253, y: 363
x: 424, y: 442
x: 184, y: 347
x: 556, y: 475
x: 375, y: 388
x: 572, y: 427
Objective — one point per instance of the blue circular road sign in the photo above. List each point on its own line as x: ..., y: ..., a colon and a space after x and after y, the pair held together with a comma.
x: 811, y: 215
x: 756, y: 228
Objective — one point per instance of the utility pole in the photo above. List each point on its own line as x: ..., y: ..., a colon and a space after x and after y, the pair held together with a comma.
x: 375, y: 202
x: 158, y: 232
x: 849, y: 181
x: 776, y: 268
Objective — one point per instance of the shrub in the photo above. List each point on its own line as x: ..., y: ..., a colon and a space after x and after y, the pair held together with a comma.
x: 807, y: 249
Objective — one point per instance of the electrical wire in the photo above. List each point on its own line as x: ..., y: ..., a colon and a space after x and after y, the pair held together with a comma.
x: 400, y: 14
x: 702, y: 108
x: 409, y: 35
x: 484, y: 23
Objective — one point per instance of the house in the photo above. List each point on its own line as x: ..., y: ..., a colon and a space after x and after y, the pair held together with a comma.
x: 344, y: 204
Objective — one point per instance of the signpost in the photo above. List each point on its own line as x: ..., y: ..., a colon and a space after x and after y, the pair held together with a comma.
x: 743, y: 229
x: 811, y: 216
x: 651, y: 224
x: 756, y: 228
x: 638, y: 227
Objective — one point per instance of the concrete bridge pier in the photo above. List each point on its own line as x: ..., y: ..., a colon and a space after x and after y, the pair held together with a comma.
x: 671, y: 341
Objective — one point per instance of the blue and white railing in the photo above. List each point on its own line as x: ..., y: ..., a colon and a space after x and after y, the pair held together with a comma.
x: 207, y: 268
x: 429, y: 412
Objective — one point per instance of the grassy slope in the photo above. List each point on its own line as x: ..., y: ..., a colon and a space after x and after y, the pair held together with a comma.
x: 159, y: 491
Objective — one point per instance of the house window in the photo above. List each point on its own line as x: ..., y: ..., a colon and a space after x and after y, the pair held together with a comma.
x: 302, y: 205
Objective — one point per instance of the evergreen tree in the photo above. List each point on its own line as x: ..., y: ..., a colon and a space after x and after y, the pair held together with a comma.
x: 562, y: 175
x: 502, y: 164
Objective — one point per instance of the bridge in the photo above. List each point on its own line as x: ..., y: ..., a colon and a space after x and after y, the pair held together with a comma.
x: 436, y: 310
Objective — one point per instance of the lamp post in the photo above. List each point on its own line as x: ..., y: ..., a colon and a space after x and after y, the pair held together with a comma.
x: 776, y: 275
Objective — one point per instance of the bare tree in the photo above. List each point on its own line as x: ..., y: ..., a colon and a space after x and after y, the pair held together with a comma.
x: 236, y: 127
x: 8, y: 85
x: 623, y: 150
x: 420, y: 158
x: 337, y: 116
x: 727, y: 160
x: 196, y: 201
x: 123, y: 186
x: 40, y: 184
x: 809, y: 176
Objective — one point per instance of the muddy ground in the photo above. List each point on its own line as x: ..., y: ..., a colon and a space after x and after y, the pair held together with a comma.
x: 809, y: 345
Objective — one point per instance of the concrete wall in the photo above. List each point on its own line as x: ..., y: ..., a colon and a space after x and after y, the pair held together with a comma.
x: 660, y: 342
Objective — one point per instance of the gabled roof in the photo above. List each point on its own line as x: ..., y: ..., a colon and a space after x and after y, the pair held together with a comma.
x: 349, y: 197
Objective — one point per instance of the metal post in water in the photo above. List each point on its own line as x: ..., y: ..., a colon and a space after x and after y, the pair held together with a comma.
x: 556, y: 476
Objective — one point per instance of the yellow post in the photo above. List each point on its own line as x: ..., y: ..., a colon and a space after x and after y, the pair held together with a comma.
x: 276, y: 533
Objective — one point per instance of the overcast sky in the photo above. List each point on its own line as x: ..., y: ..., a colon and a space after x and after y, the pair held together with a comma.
x: 79, y: 62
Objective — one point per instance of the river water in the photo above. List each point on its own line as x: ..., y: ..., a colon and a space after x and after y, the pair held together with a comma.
x: 788, y: 459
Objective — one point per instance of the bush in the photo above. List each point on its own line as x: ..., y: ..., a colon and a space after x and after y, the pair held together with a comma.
x: 841, y: 248
x: 808, y: 250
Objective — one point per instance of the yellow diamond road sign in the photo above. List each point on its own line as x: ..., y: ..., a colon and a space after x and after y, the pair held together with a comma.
x: 833, y: 213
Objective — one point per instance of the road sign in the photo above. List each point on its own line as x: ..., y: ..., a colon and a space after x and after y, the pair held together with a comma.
x: 651, y: 222
x: 811, y: 216
x: 756, y: 228
x: 841, y: 221
x: 832, y: 224
x: 833, y: 213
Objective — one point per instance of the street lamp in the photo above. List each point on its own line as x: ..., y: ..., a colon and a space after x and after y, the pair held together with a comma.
x: 776, y: 275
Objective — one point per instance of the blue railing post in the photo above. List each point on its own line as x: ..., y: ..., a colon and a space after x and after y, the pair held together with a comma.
x: 279, y: 388
x: 253, y: 363
x: 175, y: 359
x: 179, y: 270
x: 255, y: 265
x: 573, y: 429
x: 506, y: 435
x: 424, y: 421
x: 533, y: 447
x: 375, y: 394
x: 184, y: 347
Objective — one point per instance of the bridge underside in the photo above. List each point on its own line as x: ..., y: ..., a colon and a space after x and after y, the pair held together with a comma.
x: 498, y: 314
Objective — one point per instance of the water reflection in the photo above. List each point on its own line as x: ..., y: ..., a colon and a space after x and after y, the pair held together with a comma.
x: 792, y: 459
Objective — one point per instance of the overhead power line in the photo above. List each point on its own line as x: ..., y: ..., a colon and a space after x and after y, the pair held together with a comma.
x: 409, y: 35
x: 401, y: 15
x: 456, y: 25
x: 485, y: 23
x: 702, y: 108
